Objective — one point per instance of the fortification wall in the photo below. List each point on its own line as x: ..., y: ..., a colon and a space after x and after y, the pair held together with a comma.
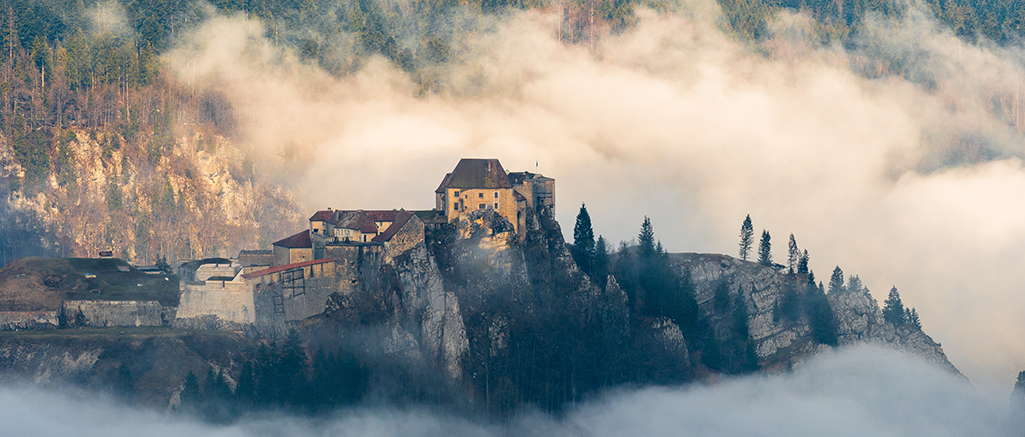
x: 18, y: 320
x: 117, y: 313
x: 313, y: 301
x: 232, y: 302
x: 206, y: 271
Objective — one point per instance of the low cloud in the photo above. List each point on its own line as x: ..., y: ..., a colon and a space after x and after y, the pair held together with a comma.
x: 863, y: 391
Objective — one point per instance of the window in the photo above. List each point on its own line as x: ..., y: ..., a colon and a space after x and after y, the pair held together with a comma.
x: 496, y: 194
x: 496, y: 205
x: 457, y: 193
x: 480, y: 195
x: 481, y: 206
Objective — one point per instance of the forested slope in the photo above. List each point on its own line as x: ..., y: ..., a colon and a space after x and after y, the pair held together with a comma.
x: 104, y: 147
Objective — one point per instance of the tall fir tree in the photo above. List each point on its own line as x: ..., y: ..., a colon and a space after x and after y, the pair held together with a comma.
x: 747, y: 233
x: 765, y: 249
x: 600, y: 262
x: 836, y: 281
x: 854, y: 284
x: 913, y: 319
x: 802, y: 264
x: 646, y: 240
x: 820, y: 314
x: 893, y: 308
x: 793, y: 254
x: 583, y: 240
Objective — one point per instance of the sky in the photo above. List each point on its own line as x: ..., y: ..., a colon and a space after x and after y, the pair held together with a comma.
x: 898, y: 159
x: 859, y: 391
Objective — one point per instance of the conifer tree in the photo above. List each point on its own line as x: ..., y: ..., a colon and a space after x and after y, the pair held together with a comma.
x: 836, y: 281
x: 802, y: 264
x: 600, y: 262
x: 913, y: 319
x: 583, y: 240
x: 893, y: 309
x: 792, y: 255
x: 646, y: 240
x: 820, y: 314
x: 746, y: 238
x: 854, y: 284
x: 1018, y: 396
x: 765, y: 249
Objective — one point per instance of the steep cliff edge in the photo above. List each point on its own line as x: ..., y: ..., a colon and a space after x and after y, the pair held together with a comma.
x: 476, y: 317
x: 781, y: 344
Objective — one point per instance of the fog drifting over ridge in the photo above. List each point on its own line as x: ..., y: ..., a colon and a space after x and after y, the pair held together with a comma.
x: 860, y: 391
x: 891, y: 159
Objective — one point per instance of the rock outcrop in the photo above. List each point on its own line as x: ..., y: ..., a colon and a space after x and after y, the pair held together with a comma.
x: 782, y: 344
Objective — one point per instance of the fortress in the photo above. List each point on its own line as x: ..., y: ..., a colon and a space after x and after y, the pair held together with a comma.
x: 341, y: 248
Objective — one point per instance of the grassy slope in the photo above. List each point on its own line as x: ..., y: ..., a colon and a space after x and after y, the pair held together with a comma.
x: 36, y: 282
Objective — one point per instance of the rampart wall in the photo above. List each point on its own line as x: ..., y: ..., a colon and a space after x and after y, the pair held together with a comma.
x: 117, y: 313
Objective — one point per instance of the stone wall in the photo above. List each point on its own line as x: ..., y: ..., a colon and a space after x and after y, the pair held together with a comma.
x: 18, y: 320
x: 117, y: 313
x: 206, y: 271
x: 229, y: 301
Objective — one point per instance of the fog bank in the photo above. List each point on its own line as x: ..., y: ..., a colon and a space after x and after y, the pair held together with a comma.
x: 863, y: 391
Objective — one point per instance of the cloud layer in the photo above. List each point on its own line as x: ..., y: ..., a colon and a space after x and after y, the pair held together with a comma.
x: 898, y: 159
x: 863, y: 391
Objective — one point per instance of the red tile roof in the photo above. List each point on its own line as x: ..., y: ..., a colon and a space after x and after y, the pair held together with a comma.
x: 285, y: 267
x: 300, y: 240
x: 519, y: 197
x: 400, y: 220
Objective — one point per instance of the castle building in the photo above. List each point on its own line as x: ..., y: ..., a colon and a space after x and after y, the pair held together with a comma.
x: 483, y: 184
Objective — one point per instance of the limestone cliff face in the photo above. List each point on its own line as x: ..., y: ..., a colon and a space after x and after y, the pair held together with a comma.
x: 859, y: 319
x: 196, y: 196
x: 782, y: 344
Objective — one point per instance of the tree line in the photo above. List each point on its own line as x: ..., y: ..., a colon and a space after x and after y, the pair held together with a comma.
x: 815, y: 303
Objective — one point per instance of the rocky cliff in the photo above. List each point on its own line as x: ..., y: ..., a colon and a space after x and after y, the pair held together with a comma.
x: 188, y: 194
x: 479, y: 318
x: 781, y: 344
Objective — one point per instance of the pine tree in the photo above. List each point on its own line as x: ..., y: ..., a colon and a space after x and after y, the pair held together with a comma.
x: 1018, y: 396
x: 600, y: 263
x: 854, y: 284
x: 802, y: 264
x: 189, y: 397
x: 836, y: 281
x: 646, y: 240
x: 913, y: 319
x: 765, y: 249
x: 583, y: 240
x: 893, y: 309
x: 820, y: 314
x: 746, y: 237
x: 792, y: 254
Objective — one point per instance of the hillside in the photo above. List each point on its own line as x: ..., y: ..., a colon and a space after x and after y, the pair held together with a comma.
x: 39, y: 284
x: 479, y: 321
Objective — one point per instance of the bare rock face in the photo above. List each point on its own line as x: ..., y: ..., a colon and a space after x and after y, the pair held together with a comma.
x: 859, y: 319
x: 442, y: 333
x: 782, y: 344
